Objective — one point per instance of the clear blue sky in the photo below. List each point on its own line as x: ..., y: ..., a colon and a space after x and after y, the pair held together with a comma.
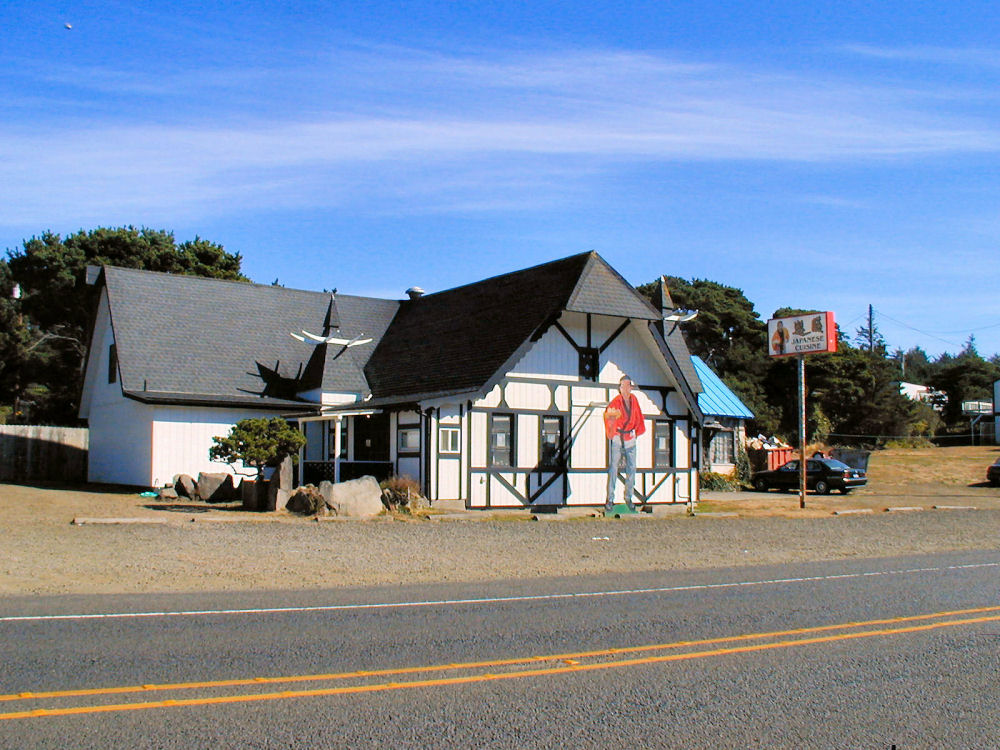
x: 814, y: 155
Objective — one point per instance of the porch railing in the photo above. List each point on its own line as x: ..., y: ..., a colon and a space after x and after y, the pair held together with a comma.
x: 314, y: 472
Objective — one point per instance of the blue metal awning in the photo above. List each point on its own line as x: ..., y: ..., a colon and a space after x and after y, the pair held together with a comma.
x: 716, y: 399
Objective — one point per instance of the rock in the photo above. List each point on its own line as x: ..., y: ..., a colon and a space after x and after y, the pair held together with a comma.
x: 216, y: 488
x: 326, y: 490
x: 307, y: 500
x: 249, y: 495
x: 277, y: 498
x: 167, y: 493
x: 284, y: 474
x: 185, y: 486
x: 358, y: 498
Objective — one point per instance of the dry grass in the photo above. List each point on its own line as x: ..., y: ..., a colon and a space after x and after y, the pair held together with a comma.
x: 957, y: 466
x: 897, y: 477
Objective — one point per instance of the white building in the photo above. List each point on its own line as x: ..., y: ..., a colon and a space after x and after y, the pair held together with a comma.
x: 492, y: 393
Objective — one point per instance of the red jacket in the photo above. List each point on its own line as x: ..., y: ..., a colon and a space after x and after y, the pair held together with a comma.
x: 630, y: 421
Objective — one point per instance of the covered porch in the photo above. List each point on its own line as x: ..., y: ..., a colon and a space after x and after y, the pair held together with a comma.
x: 351, y: 441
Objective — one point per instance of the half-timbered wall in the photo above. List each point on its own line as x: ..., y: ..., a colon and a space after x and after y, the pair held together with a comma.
x: 545, y: 389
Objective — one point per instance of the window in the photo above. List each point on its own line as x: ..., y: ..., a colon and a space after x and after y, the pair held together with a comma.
x: 113, y: 363
x: 663, y: 444
x: 449, y: 440
x: 501, y: 440
x: 589, y: 361
x: 720, y: 450
x: 550, y: 443
x: 409, y: 439
x: 331, y: 437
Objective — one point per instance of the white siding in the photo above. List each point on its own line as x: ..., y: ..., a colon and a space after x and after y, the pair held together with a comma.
x: 120, y: 443
x: 552, y: 357
x: 314, y: 440
x: 448, y: 468
x: 120, y: 429
x: 96, y: 389
x: 182, y: 436
x: 477, y: 492
x: 528, y: 395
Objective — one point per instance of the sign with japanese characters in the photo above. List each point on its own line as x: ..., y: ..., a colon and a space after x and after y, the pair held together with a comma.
x: 801, y: 334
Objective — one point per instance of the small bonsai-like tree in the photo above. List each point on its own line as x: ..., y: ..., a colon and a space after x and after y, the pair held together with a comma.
x: 257, y: 443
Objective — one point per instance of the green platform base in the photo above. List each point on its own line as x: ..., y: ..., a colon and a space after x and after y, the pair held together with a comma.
x: 620, y: 509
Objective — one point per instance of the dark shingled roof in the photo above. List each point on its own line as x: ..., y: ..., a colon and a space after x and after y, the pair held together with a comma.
x: 460, y: 338
x: 188, y: 335
x: 188, y: 339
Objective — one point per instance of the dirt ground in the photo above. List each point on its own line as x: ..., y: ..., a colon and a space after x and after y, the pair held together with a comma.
x: 123, y: 543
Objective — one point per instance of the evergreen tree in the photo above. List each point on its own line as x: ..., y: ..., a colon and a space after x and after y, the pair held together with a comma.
x: 45, y: 350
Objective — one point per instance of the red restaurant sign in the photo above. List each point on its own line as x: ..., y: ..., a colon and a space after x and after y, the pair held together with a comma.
x: 801, y: 334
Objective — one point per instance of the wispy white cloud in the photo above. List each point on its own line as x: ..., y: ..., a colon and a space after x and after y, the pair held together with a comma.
x: 446, y: 133
x: 979, y: 57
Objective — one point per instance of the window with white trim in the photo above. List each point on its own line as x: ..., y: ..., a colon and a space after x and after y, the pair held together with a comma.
x: 720, y: 450
x: 449, y: 440
x: 501, y: 440
x: 408, y: 439
x: 550, y: 443
x: 331, y: 428
x: 663, y: 444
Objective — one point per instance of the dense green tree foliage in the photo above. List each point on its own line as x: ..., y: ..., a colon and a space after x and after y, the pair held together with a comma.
x: 852, y: 395
x: 728, y: 334
x: 967, y: 377
x: 257, y: 443
x: 43, y: 338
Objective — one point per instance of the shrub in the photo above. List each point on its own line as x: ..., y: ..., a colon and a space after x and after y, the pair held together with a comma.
x: 711, y: 480
x: 744, y: 472
x: 401, y: 494
x: 257, y: 443
x: 910, y: 442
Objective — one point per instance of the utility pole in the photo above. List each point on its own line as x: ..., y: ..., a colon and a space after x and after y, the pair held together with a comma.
x: 802, y: 431
x: 871, y: 329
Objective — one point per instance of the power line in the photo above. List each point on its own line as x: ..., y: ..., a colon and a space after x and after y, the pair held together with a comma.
x: 922, y: 331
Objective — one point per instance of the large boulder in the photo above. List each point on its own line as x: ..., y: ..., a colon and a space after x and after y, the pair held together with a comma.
x: 185, y: 486
x: 358, y: 498
x: 250, y: 492
x: 216, y: 488
x: 326, y: 490
x: 277, y: 496
x: 307, y: 500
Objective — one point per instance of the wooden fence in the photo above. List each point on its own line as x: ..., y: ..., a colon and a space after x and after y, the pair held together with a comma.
x: 57, y: 454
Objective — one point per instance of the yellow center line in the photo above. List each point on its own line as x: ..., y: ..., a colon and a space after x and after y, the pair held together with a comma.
x: 569, y: 660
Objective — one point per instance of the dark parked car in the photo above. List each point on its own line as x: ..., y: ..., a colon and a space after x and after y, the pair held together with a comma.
x: 822, y: 475
x: 993, y: 473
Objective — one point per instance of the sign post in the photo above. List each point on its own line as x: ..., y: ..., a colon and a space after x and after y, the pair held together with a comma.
x: 797, y: 336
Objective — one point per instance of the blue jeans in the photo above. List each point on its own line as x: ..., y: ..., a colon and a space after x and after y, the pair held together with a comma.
x: 618, y: 447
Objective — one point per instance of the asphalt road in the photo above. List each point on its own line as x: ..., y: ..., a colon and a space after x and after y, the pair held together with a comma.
x: 866, y: 653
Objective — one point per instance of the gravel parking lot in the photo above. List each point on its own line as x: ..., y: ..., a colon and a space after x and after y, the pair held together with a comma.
x: 193, y: 547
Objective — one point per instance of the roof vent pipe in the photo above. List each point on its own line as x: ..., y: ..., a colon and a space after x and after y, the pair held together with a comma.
x: 415, y: 292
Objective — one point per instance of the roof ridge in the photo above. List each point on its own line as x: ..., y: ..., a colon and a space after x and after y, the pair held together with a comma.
x: 278, y: 288
x: 515, y: 272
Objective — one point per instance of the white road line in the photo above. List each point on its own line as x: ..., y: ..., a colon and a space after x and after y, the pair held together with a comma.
x: 492, y: 599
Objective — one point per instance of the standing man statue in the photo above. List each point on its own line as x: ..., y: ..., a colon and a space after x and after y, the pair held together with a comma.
x: 623, y: 423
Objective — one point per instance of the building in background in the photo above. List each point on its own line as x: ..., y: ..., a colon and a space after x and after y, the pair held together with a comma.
x: 725, y: 420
